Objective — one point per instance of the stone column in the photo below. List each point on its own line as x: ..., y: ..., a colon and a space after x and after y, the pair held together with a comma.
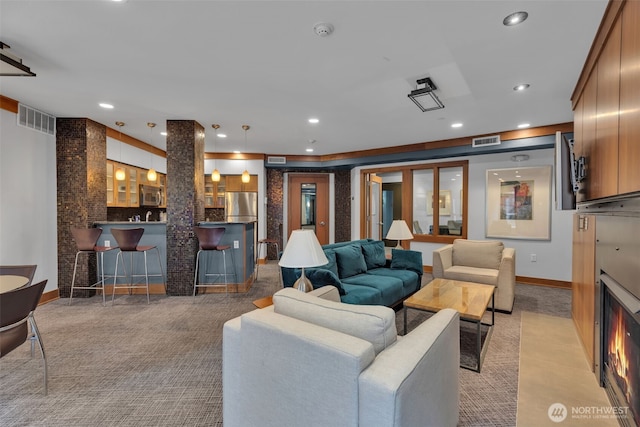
x: 185, y: 201
x: 81, y: 164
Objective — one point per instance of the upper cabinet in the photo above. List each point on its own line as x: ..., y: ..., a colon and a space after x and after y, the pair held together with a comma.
x: 234, y: 183
x: 125, y: 192
x: 214, y: 192
x: 628, y: 142
x: 607, y: 107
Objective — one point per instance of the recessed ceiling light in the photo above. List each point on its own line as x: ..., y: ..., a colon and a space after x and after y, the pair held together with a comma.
x: 309, y: 150
x: 515, y: 18
x: 222, y: 135
x: 456, y: 125
x: 523, y: 125
x: 314, y: 120
x: 105, y: 105
x: 520, y: 87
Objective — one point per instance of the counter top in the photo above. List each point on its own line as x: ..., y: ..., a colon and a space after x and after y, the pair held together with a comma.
x: 130, y: 222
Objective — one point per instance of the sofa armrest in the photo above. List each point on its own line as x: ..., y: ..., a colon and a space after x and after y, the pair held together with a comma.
x: 326, y: 292
x: 415, y: 381
x: 507, y: 279
x: 442, y: 259
x: 406, y: 259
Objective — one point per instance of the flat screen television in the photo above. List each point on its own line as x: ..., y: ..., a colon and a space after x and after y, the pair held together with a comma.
x: 566, y: 175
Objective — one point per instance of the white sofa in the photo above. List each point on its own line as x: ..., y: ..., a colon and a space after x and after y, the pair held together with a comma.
x: 480, y: 261
x: 310, y: 360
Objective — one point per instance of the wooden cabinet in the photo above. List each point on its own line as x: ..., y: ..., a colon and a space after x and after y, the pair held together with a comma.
x: 607, y: 108
x: 629, y: 147
x: 584, y: 281
x: 234, y: 183
x: 125, y: 192
x: 121, y: 192
x: 214, y: 192
x: 604, y: 156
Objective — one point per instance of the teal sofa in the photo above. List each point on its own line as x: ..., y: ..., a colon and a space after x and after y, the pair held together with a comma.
x: 363, y: 275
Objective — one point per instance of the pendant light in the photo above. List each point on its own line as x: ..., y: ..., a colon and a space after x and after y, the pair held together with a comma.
x: 245, y: 175
x: 151, y: 174
x: 120, y: 174
x: 215, y: 175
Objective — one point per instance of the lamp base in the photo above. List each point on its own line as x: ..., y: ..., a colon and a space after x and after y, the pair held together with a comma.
x: 303, y: 284
x: 398, y: 246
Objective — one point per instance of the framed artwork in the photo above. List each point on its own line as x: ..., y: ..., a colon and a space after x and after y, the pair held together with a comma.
x: 519, y: 203
x: 444, y: 202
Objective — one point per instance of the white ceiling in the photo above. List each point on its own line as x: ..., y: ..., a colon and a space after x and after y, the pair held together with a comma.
x: 260, y: 63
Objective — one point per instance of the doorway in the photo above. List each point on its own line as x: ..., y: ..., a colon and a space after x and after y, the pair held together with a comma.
x: 309, y: 204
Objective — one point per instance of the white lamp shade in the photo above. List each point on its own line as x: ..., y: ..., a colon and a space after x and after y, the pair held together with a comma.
x: 399, y: 231
x: 303, y: 250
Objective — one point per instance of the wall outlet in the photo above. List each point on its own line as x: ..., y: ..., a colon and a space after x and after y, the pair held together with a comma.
x: 107, y: 243
x: 534, y: 258
x: 236, y: 244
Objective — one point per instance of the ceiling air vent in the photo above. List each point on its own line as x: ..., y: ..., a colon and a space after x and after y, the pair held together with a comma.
x: 486, y: 140
x: 277, y: 160
x: 37, y: 120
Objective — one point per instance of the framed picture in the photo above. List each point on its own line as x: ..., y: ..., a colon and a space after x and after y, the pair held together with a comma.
x: 519, y: 203
x: 444, y: 202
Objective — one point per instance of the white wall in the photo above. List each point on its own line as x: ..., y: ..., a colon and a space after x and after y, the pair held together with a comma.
x: 28, y: 213
x: 553, y: 256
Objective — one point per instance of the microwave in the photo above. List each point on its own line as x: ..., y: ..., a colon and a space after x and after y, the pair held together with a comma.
x: 150, y: 195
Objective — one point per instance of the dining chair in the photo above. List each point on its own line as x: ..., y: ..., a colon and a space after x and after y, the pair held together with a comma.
x: 27, y: 271
x: 16, y: 315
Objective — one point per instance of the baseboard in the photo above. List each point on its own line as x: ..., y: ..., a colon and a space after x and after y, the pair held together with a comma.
x: 49, y: 296
x: 543, y: 282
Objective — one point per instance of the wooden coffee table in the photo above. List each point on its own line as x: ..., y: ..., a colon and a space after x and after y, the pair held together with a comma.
x: 469, y: 299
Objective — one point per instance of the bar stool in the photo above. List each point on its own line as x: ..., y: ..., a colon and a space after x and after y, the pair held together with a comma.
x: 266, y: 243
x: 86, y: 239
x: 128, y: 240
x: 209, y: 240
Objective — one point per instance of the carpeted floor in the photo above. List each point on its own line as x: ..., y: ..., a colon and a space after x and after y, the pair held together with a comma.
x: 135, y: 364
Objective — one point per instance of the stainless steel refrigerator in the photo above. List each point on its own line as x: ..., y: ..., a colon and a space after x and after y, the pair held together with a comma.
x: 241, y: 206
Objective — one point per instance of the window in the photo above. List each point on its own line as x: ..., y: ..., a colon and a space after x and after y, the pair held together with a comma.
x: 433, y: 202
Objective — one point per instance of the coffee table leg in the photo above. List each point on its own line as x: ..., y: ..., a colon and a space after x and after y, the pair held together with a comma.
x: 405, y: 320
x: 479, y: 345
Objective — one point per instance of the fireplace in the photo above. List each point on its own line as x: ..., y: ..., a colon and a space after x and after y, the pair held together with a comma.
x: 620, y: 374
x: 617, y: 339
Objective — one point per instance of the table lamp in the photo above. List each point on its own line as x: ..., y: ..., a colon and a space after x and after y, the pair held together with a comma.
x: 303, y: 250
x: 399, y: 231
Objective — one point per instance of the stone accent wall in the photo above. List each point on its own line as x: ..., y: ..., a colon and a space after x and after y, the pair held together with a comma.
x: 275, y: 214
x: 81, y: 171
x: 185, y: 201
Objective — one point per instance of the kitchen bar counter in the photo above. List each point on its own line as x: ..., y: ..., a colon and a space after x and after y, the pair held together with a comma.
x: 241, y: 236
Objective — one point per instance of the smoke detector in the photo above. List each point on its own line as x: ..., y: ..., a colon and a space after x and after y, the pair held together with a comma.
x: 323, y: 29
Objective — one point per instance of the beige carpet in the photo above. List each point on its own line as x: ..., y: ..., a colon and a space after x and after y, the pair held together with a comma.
x: 554, y: 370
x: 135, y: 364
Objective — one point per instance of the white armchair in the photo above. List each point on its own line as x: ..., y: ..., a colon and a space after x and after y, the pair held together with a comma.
x: 480, y: 261
x: 312, y: 361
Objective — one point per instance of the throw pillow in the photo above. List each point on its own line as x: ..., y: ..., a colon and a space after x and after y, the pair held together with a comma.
x: 373, y: 323
x: 320, y: 277
x: 332, y: 265
x: 350, y: 261
x: 374, y: 255
x: 406, y: 260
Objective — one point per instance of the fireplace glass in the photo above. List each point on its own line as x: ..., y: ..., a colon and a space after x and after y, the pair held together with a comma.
x: 621, y: 356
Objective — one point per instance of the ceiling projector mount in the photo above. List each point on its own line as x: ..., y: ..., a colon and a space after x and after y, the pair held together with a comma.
x: 11, y: 65
x: 424, y: 97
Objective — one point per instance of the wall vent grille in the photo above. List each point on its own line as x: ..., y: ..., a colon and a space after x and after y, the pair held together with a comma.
x: 37, y: 120
x: 277, y: 160
x: 486, y: 140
